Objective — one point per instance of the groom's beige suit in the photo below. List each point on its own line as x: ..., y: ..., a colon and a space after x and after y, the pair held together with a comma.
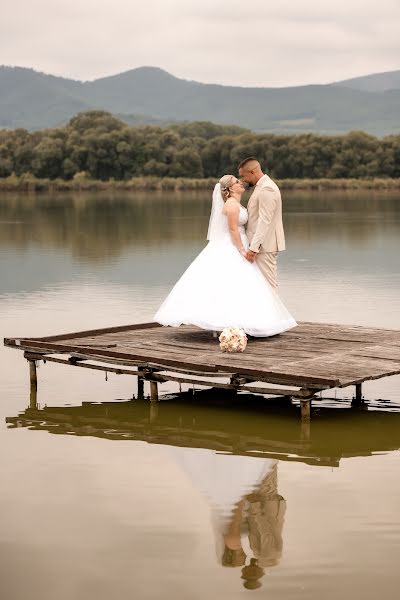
x: 265, y: 228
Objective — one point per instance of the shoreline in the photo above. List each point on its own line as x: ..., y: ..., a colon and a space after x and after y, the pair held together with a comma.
x: 28, y: 183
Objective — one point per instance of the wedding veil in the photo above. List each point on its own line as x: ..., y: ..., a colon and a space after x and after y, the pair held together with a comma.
x: 218, y: 225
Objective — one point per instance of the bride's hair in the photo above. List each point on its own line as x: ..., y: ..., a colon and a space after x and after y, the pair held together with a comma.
x: 226, y: 182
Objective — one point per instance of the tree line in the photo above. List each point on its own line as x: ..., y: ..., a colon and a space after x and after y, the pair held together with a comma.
x: 98, y: 145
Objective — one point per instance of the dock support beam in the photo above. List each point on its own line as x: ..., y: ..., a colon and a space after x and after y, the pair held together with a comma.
x: 140, y: 388
x: 153, y: 391
x: 32, y: 374
x: 305, y: 403
x: 305, y: 408
x: 33, y: 384
x: 358, y: 398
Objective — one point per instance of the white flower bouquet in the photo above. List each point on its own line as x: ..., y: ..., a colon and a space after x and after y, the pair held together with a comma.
x: 233, y: 339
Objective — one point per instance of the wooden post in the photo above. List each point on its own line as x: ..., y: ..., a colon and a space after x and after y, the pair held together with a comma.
x: 33, y: 398
x: 140, y: 388
x: 357, y: 400
x: 305, y: 407
x: 305, y: 403
x: 33, y: 384
x: 358, y: 393
x: 32, y: 374
x: 153, y: 391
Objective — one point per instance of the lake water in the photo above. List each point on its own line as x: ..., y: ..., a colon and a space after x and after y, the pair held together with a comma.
x: 102, y: 496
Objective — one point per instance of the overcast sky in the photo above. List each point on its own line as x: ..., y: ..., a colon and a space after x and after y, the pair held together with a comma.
x: 233, y: 42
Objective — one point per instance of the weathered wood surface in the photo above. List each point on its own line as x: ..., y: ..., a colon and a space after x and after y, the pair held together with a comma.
x: 317, y: 354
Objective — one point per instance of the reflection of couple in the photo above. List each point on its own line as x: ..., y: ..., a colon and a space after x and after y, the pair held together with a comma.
x: 247, y: 513
x: 233, y: 281
x: 260, y: 515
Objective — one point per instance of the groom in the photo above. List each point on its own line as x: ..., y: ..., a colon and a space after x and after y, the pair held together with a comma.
x: 264, y: 227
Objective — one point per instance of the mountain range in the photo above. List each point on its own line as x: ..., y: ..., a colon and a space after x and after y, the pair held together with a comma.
x: 149, y: 95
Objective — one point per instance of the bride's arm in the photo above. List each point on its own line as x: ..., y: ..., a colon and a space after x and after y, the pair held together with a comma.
x: 232, y: 213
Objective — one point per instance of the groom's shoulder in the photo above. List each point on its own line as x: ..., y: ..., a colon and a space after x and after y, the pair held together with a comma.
x: 268, y: 184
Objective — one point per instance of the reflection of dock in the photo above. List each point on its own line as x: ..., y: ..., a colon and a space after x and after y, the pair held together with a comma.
x: 297, y: 363
x: 333, y: 434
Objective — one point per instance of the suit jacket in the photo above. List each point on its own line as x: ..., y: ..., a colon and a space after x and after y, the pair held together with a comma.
x: 264, y: 226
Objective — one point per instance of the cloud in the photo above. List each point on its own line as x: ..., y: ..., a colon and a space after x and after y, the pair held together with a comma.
x: 262, y: 44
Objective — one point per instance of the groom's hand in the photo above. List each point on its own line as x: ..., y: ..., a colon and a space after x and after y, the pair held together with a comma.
x: 251, y: 256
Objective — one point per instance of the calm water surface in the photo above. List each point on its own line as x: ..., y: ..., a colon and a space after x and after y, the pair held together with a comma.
x: 103, y: 497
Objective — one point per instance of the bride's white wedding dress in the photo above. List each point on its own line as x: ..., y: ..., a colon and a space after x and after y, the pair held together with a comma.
x: 222, y: 289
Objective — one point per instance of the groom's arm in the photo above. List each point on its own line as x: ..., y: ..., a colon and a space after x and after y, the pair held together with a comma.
x: 266, y: 209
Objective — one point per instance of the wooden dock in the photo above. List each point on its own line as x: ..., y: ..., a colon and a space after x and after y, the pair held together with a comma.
x: 298, y: 363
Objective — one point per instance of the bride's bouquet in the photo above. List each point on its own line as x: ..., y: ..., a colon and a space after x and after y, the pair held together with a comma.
x: 233, y: 339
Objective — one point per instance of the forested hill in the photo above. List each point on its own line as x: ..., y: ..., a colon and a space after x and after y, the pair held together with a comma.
x: 33, y: 100
x: 96, y: 145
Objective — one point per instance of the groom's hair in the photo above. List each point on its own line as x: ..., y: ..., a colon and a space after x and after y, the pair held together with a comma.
x: 246, y: 161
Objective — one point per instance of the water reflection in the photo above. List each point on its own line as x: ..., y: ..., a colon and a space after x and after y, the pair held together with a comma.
x: 148, y: 239
x: 247, y: 512
x: 245, y: 427
x: 230, y: 455
x: 259, y: 516
x: 98, y: 226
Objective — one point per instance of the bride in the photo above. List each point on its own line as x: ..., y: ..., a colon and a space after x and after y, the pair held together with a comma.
x: 221, y: 288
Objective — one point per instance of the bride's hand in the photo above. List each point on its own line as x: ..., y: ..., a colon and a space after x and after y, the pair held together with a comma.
x: 251, y: 256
